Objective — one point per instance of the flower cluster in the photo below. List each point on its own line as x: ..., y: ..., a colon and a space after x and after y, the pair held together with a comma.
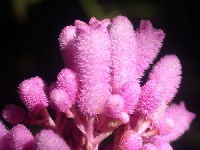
x: 99, y: 93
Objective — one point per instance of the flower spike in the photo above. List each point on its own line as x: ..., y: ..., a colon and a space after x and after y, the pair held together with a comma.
x: 33, y: 94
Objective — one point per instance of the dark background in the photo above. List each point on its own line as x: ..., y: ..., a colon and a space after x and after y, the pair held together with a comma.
x: 29, y: 31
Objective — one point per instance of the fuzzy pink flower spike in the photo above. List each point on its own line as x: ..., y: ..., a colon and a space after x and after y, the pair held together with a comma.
x: 92, y: 65
x: 123, y: 40
x: 33, y: 94
x: 168, y: 72
x: 98, y: 93
x: 123, y: 56
x: 149, y: 44
x: 161, y: 87
x: 20, y: 138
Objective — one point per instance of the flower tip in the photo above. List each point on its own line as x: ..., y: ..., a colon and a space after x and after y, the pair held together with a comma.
x: 66, y: 35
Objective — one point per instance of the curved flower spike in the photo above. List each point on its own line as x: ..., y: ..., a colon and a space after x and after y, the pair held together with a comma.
x: 164, y: 79
x: 149, y: 43
x: 92, y: 65
x: 48, y: 140
x: 13, y: 114
x: 167, y: 72
x: 123, y: 55
x: 33, y: 94
x: 20, y: 138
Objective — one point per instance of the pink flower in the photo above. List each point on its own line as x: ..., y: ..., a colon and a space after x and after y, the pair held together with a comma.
x: 20, y: 138
x: 98, y: 93
x: 33, y: 94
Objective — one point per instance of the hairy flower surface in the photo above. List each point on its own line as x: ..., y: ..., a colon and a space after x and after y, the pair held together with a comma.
x: 98, y: 93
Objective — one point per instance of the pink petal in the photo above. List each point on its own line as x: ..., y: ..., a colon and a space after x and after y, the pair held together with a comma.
x: 92, y: 65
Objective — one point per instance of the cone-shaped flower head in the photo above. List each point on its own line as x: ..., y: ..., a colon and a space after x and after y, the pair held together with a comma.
x: 20, y: 138
x: 92, y: 65
x: 130, y: 141
x: 67, y: 81
x: 33, y: 94
x: 168, y: 72
x: 48, y: 140
x: 13, y: 114
x: 123, y: 40
x: 149, y: 43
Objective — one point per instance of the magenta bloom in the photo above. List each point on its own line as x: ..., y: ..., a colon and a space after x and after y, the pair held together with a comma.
x: 33, y: 94
x: 99, y: 92
x: 20, y: 138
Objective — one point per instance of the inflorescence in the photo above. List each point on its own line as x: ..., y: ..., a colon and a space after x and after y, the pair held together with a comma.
x: 99, y: 94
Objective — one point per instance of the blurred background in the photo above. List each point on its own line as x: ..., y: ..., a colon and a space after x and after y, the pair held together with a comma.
x: 29, y: 31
